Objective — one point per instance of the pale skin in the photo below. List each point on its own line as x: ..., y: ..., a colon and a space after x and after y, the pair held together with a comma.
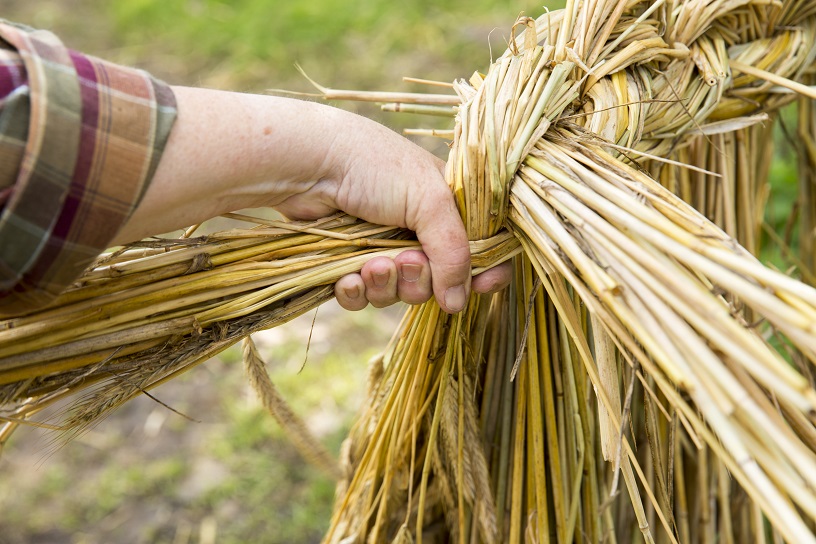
x: 231, y: 151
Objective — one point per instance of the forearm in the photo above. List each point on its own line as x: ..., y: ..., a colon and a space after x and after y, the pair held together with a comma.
x: 230, y: 151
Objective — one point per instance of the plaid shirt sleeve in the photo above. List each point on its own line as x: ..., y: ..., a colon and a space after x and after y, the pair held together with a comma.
x: 80, y: 139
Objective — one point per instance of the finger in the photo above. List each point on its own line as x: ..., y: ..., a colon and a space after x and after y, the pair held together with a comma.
x: 380, y: 278
x: 442, y: 234
x: 350, y: 292
x: 414, y: 282
x: 494, y: 279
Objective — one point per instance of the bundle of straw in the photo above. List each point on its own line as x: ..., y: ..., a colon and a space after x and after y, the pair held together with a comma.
x: 621, y: 148
x: 149, y: 312
x: 648, y: 346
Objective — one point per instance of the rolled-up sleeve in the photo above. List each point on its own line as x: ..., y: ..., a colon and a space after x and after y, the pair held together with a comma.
x: 80, y: 139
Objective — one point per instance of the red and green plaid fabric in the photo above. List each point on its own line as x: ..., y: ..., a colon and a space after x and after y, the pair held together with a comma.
x: 80, y: 139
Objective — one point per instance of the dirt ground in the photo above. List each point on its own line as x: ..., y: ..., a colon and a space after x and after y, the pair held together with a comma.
x: 147, y: 474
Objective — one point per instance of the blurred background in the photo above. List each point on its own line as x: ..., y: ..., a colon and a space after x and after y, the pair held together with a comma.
x: 226, y: 474
x: 147, y: 474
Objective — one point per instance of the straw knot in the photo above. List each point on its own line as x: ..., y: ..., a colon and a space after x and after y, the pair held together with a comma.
x: 512, y: 107
x: 634, y: 88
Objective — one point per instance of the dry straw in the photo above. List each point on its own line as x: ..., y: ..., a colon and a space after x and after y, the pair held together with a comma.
x: 644, y: 379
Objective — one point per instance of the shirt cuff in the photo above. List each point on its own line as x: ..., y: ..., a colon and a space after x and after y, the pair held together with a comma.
x: 95, y: 134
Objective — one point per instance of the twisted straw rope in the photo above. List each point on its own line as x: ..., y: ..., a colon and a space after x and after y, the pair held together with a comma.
x: 553, y: 143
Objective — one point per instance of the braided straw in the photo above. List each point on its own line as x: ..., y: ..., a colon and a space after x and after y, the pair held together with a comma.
x: 556, y: 143
x: 623, y: 146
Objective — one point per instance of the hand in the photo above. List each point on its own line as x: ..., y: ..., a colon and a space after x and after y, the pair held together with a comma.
x: 231, y: 151
x: 407, y: 278
x: 375, y: 174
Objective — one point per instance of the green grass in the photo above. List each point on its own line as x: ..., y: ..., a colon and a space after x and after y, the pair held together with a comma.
x: 273, y: 498
x: 247, y: 43
x: 784, y: 181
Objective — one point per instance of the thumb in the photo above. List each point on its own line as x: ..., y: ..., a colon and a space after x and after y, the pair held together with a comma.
x: 442, y: 234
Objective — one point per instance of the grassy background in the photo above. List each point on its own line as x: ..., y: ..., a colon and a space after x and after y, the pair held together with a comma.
x: 147, y: 474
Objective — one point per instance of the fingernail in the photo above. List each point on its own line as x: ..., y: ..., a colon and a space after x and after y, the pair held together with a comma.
x: 455, y: 298
x: 381, y: 279
x: 411, y: 272
x: 352, y: 292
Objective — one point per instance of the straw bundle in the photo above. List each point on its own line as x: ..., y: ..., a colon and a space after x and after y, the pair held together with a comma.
x: 633, y: 336
x: 622, y: 148
x: 142, y: 315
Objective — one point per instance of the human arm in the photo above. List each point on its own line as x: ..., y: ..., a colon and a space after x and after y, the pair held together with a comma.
x: 94, y: 171
x: 230, y: 151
